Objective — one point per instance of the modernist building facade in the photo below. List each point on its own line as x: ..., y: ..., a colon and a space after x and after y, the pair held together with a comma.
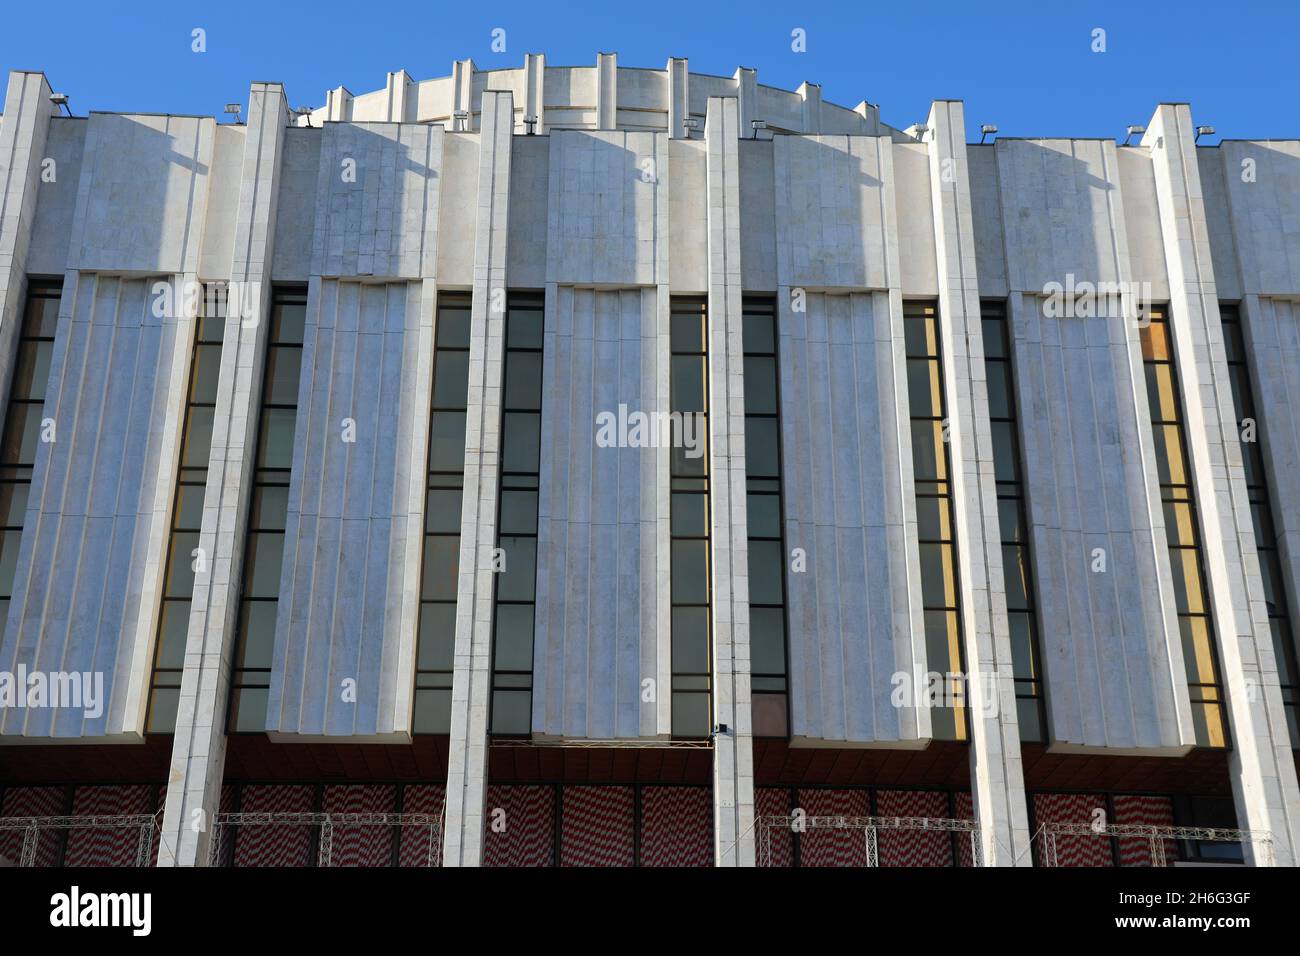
x: 596, y: 465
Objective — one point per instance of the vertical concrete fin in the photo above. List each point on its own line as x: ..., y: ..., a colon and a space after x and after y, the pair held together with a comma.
x: 27, y: 112
x: 810, y: 95
x: 199, y: 745
x: 733, y: 757
x: 746, y: 98
x: 471, y: 680
x: 534, y: 92
x: 1260, y: 763
x: 679, y: 100
x: 997, y: 780
x: 606, y: 91
x: 401, y: 105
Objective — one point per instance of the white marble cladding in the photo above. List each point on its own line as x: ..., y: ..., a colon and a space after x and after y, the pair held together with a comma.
x: 351, y: 576
x: 855, y: 615
x: 86, y: 588
x: 608, y: 207
x: 377, y: 200
x: 143, y: 193
x: 835, y: 212
x: 1110, y: 639
x: 827, y: 199
x: 602, y: 622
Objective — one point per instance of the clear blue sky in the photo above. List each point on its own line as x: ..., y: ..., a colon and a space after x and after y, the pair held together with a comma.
x: 1026, y: 66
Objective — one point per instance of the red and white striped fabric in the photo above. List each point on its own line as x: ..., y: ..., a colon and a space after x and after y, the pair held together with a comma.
x: 773, y: 802
x: 833, y: 846
x: 523, y: 832
x: 31, y: 802
x: 964, y: 809
x: 1074, y: 808
x: 360, y: 845
x: 596, y: 826
x: 913, y: 847
x: 428, y: 799
x: 676, y: 826
x: 274, y: 844
x: 1151, y: 811
x: 114, y: 846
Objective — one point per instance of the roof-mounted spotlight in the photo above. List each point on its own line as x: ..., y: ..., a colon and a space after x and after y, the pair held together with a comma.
x: 1204, y: 131
x: 462, y: 120
x: 917, y: 131
x: 530, y: 125
x: 234, y: 110
x: 757, y: 125
x: 304, y: 115
x: 690, y: 124
x: 61, y: 99
x: 988, y: 129
x: 1133, y: 131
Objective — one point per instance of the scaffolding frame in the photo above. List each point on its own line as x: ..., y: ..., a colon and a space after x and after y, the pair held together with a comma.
x: 870, y: 827
x: 325, y: 824
x: 33, y: 826
x: 1157, y: 836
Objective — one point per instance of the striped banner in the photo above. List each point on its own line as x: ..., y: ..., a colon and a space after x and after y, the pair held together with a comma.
x: 428, y: 799
x: 31, y: 802
x: 832, y: 846
x: 275, y: 844
x: 779, y: 850
x: 519, y: 826
x: 596, y: 826
x: 676, y: 826
x: 1075, y: 808
x: 116, y: 846
x: 913, y: 847
x: 361, y: 845
x: 1151, y: 811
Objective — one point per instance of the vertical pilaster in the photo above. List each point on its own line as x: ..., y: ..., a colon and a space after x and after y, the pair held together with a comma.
x: 338, y: 105
x: 27, y: 113
x: 1260, y: 762
x: 199, y: 745
x: 534, y: 92
x: 746, y: 97
x: 398, y: 91
x: 997, y: 778
x: 679, y: 100
x: 811, y: 96
x: 462, y: 94
x: 733, y: 757
x: 606, y: 90
x: 471, y: 681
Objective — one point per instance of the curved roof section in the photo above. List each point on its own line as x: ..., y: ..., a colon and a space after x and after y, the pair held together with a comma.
x: 603, y: 96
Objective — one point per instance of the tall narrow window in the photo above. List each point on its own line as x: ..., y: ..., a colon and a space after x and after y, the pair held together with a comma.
x: 1022, y: 615
x: 1261, y: 511
x: 187, y: 517
x: 767, y: 616
x: 934, y: 516
x: 692, y: 713
x: 22, y: 426
x: 521, y: 428
x: 1183, y: 530
x: 437, y: 640
x: 268, y: 512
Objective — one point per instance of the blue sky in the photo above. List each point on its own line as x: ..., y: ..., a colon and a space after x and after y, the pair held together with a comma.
x: 1026, y: 66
